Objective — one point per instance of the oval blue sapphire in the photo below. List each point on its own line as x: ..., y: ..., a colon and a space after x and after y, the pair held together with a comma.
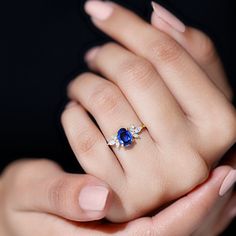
x: 125, y: 137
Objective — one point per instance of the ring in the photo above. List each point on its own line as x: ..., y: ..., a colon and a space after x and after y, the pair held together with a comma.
x: 125, y: 137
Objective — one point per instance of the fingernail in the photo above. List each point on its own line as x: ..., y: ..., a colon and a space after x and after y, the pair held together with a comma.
x: 98, y: 9
x: 228, y: 182
x: 90, y: 55
x: 168, y: 17
x: 93, y: 198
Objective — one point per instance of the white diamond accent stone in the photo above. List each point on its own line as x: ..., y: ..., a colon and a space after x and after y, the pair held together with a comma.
x: 138, y: 129
x: 117, y: 143
x: 112, y: 142
x: 132, y: 129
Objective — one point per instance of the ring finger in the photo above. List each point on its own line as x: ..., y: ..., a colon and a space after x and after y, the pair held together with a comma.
x: 144, y: 89
x: 112, y: 111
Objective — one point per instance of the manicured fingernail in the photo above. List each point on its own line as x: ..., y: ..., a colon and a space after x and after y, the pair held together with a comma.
x: 93, y: 198
x: 98, y: 9
x: 168, y: 17
x: 228, y: 182
x: 90, y: 55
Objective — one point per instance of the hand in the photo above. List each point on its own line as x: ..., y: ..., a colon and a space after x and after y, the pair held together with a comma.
x: 156, y: 83
x: 224, y: 209
x: 38, y: 198
x: 201, y: 48
x: 31, y: 205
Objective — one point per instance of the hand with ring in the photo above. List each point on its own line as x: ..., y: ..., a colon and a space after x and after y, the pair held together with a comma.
x: 165, y: 76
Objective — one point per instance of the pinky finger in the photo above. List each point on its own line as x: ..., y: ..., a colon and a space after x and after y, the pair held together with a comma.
x: 88, y: 143
x: 196, y: 43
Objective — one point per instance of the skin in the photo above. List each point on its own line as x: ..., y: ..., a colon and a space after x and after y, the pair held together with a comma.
x: 25, y: 213
x: 159, y: 79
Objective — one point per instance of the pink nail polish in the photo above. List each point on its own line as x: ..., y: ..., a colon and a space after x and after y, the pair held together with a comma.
x: 168, y: 17
x: 93, y: 198
x: 228, y: 182
x: 91, y: 54
x: 98, y: 9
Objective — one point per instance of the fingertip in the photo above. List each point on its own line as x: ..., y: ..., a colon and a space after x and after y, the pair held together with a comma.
x: 228, y: 182
x: 91, y: 54
x: 98, y: 9
x: 71, y: 104
x: 168, y: 17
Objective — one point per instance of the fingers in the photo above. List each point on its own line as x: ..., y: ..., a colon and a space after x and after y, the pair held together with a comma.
x: 185, y: 79
x: 226, y: 215
x: 104, y: 101
x: 197, y: 44
x: 191, y: 210
x: 112, y: 111
x: 143, y: 88
x: 41, y: 186
x: 181, y: 218
x: 88, y: 143
x: 204, y: 105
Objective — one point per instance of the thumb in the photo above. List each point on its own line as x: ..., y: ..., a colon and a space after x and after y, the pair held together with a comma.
x: 42, y: 186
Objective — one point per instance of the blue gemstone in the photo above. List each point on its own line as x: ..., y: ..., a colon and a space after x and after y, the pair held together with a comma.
x: 124, y: 137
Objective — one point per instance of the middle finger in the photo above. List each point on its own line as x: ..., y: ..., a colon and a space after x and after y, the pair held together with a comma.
x: 112, y: 111
x: 143, y: 88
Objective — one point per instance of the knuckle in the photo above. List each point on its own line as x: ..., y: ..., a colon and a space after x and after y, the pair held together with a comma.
x: 57, y: 194
x: 105, y: 98
x: 200, y: 170
x: 138, y: 72
x: 23, y: 170
x: 201, y: 45
x: 31, y: 170
x: 19, y: 174
x: 86, y: 142
x: 197, y: 173
x: 166, y: 50
x: 206, y: 50
x: 223, y: 126
x: 226, y: 128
